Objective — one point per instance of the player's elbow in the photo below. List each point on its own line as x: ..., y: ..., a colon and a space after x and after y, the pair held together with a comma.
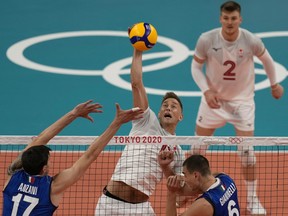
x: 136, y: 85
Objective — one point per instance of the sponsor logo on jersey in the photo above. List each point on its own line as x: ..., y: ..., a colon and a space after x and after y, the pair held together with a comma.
x: 216, y: 49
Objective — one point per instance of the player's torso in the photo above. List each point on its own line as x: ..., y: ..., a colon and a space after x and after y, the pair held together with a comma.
x: 138, y: 164
x: 28, y: 195
x: 224, y: 197
x: 230, y: 65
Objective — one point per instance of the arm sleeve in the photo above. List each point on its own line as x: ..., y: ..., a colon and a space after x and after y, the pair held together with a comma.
x: 201, y: 47
x: 198, y: 76
x: 269, y: 66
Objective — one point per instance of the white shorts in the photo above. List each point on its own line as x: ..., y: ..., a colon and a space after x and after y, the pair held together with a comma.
x: 110, y: 206
x: 237, y: 113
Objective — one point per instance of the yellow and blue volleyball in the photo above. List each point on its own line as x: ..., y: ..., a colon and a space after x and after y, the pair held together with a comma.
x: 143, y: 36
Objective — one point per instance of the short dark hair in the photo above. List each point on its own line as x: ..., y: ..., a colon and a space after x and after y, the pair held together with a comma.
x: 35, y: 158
x: 172, y: 95
x: 197, y: 163
x: 230, y: 6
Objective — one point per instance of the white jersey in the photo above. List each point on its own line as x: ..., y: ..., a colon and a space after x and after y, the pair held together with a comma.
x: 138, y: 166
x: 230, y: 65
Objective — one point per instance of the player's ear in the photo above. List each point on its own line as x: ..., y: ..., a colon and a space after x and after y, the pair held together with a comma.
x: 45, y: 169
x: 181, y: 117
x: 196, y: 174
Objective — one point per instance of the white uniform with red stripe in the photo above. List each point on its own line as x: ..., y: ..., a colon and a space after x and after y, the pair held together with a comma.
x: 230, y: 65
x: 230, y: 73
x: 138, y: 167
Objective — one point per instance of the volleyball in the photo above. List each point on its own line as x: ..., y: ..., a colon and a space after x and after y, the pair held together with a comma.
x: 143, y: 36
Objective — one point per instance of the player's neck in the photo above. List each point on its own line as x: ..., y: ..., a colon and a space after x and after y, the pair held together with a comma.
x: 169, y: 128
x: 230, y: 37
x: 208, y: 182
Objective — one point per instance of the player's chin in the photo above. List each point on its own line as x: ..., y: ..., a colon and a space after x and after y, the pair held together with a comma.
x: 230, y: 30
x: 168, y: 120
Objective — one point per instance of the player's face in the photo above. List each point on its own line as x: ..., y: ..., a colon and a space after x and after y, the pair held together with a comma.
x: 230, y: 22
x: 191, y: 179
x: 170, y: 112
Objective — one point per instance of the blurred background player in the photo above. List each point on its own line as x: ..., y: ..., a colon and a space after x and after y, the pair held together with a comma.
x: 228, y: 87
x: 137, y: 171
x: 29, y: 189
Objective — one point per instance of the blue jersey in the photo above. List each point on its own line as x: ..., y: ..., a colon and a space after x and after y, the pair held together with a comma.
x: 223, y: 197
x: 28, y: 195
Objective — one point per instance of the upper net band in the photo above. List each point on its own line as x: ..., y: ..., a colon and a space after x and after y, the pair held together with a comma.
x: 167, y: 140
x: 81, y: 199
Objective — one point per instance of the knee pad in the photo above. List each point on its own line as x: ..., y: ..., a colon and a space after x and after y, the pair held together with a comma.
x: 247, y: 155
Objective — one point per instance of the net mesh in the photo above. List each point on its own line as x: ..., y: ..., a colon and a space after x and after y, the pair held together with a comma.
x: 82, y: 197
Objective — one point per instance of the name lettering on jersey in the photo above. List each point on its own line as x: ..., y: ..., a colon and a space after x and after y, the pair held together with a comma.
x: 28, y: 189
x: 229, y: 192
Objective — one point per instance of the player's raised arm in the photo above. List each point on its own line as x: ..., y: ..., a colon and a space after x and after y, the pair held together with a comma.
x: 140, y: 98
x: 31, y: 169
x: 81, y: 110
x: 69, y: 176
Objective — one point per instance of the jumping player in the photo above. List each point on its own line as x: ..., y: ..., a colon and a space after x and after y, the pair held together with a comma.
x: 137, y: 171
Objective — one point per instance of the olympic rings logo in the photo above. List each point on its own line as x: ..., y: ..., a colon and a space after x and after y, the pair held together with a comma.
x: 236, y: 140
x: 112, y: 72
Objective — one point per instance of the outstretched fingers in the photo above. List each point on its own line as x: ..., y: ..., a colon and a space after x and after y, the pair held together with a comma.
x: 128, y: 115
x: 92, y: 108
x: 95, y: 108
x: 84, y: 109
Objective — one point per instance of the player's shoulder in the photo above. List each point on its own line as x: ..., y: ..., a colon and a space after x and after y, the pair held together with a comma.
x: 208, y: 37
x: 221, y: 174
x: 248, y: 34
x: 211, y: 33
x: 225, y: 178
x: 201, y: 206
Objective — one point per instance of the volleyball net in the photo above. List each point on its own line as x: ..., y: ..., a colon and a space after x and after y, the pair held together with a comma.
x: 82, y: 197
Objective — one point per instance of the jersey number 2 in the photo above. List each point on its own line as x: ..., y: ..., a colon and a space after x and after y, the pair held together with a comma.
x: 229, y: 74
x: 16, y: 199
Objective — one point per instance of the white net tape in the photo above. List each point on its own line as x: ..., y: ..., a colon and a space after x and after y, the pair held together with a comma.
x: 161, y: 140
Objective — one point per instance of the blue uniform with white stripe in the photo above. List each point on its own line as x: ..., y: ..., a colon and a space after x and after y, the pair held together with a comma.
x: 28, y: 195
x: 223, y: 196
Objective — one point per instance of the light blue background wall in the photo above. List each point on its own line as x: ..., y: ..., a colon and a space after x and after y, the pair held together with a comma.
x: 30, y: 100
